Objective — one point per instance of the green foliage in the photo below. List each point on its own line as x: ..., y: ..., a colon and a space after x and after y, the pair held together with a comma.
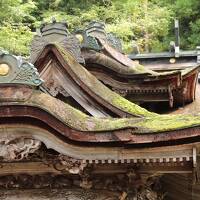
x: 16, y: 18
x: 149, y: 23
x: 16, y: 11
x: 194, y: 37
x: 128, y: 19
x: 188, y: 14
x: 141, y: 23
x: 15, y: 39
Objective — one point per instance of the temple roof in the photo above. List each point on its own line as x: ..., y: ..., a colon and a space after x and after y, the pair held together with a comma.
x: 167, y: 61
x: 147, y: 123
x: 89, y: 83
x: 128, y: 78
x: 188, y: 53
x: 62, y: 124
x: 69, y: 115
x: 137, y: 137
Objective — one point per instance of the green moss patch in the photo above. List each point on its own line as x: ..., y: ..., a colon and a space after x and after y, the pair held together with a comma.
x: 146, y: 123
x: 75, y: 118
x: 101, y: 90
x: 130, y: 107
x: 80, y: 121
x: 163, y: 123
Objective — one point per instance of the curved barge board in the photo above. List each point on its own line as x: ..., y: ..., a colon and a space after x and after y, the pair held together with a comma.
x: 31, y: 113
x: 28, y: 103
x: 90, y: 88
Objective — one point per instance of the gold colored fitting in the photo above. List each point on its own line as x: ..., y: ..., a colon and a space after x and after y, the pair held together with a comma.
x: 172, y: 60
x: 79, y: 37
x: 4, y: 69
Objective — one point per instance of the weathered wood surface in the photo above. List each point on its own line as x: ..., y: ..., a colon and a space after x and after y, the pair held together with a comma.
x: 192, y: 108
x: 58, y: 194
x: 177, y: 187
x: 176, y: 88
x: 57, y: 82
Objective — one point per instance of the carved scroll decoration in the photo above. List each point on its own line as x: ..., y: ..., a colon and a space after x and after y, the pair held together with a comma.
x: 17, y: 70
x: 71, y: 165
x: 16, y: 149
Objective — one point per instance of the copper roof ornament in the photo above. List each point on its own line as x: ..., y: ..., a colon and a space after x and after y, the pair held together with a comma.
x: 14, y: 70
x: 96, y: 30
x: 57, y: 33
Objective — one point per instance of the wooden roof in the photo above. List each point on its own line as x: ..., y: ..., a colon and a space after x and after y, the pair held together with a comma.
x: 102, y: 57
x: 137, y: 139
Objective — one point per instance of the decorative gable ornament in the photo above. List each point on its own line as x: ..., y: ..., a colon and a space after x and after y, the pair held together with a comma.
x: 58, y: 34
x: 94, y: 31
x: 14, y: 70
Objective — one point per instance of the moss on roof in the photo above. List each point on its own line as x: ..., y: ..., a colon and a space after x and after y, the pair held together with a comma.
x: 80, y: 121
x: 114, y: 65
x: 163, y: 123
x: 101, y: 90
x: 75, y: 118
x: 148, y: 123
x: 189, y: 69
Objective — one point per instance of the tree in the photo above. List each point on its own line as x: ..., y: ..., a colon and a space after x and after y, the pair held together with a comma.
x: 149, y: 23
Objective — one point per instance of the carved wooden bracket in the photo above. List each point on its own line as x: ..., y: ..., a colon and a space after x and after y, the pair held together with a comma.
x: 17, y: 148
x: 70, y: 165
